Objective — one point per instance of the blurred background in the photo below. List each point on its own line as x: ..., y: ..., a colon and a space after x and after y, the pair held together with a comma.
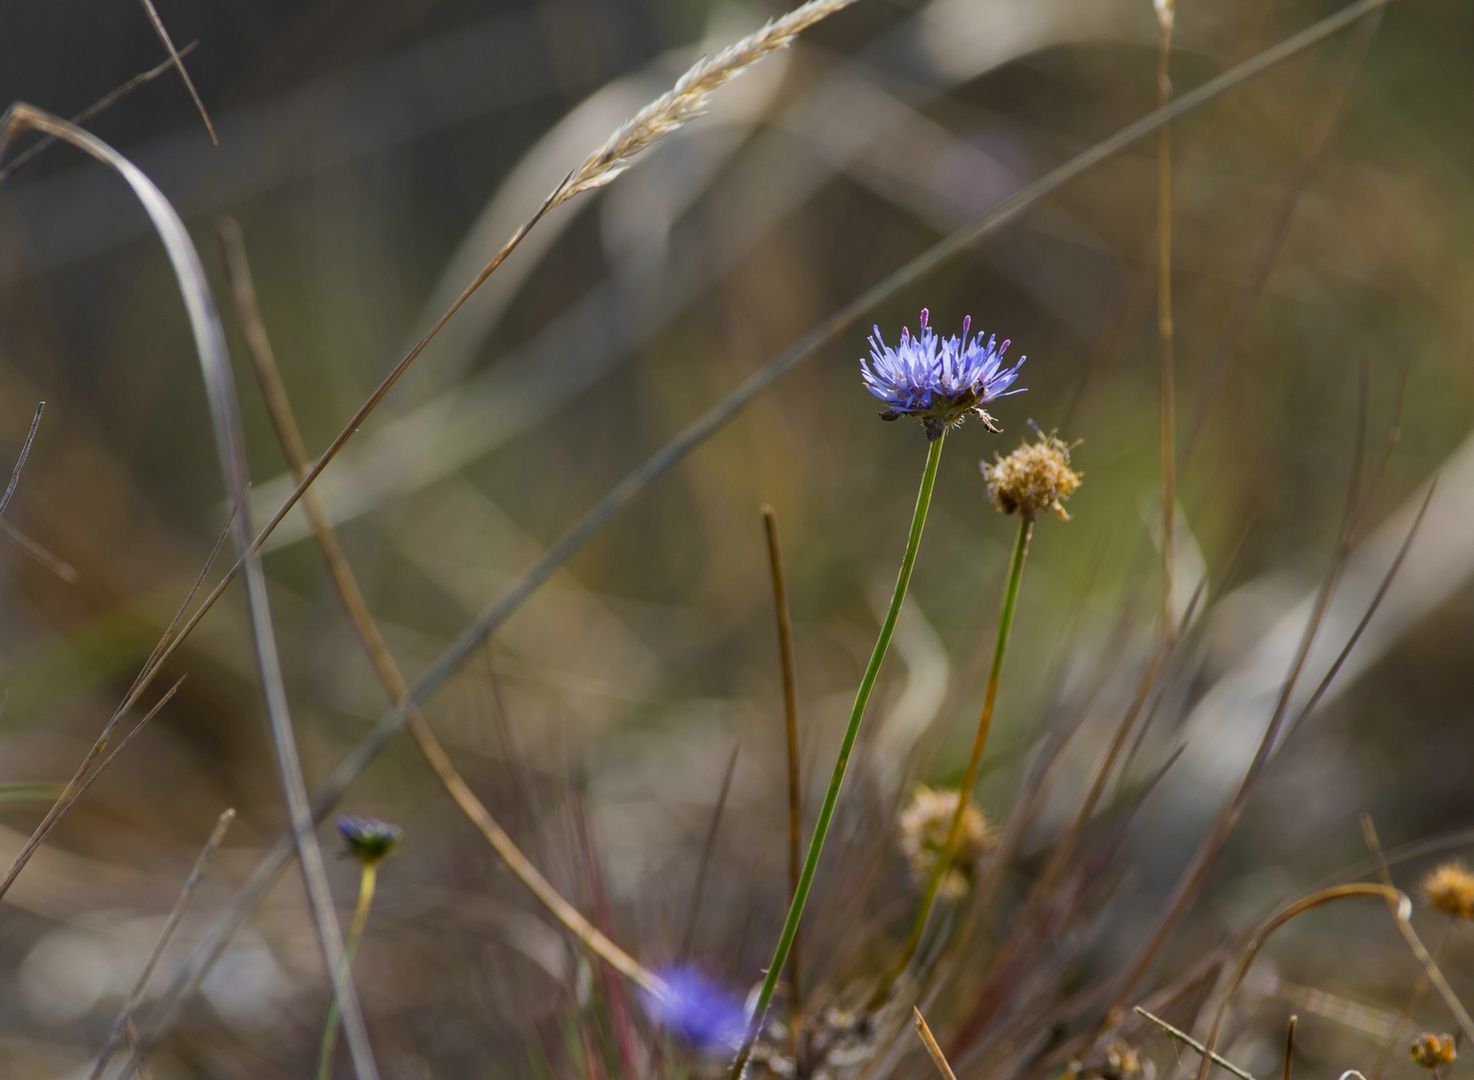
x: 376, y: 153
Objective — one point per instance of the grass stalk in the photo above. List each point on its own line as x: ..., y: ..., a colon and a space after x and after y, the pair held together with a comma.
x: 923, y: 1031
x: 1187, y: 1040
x: 1168, y: 389
x: 366, y: 882
x: 836, y: 779
x: 176, y: 58
x: 186, y: 894
x: 795, y: 793
x: 289, y: 436
x: 974, y: 761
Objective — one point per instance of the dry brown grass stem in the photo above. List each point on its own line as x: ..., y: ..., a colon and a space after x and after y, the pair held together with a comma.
x: 14, y: 535
x: 289, y: 435
x: 1187, y: 1040
x: 77, y: 787
x: 1168, y: 392
x: 1272, y: 238
x: 790, y: 718
x: 1197, y: 869
x: 53, y: 562
x: 690, y: 96
x: 1379, y: 864
x: 125, y: 1015
x: 92, y: 110
x: 708, y: 846
x: 929, y: 1041
x: 176, y: 60
x: 1290, y: 1045
x: 20, y: 461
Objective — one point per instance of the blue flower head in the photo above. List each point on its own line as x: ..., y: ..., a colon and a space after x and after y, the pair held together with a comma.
x: 938, y: 380
x: 699, y: 1010
x: 369, y: 841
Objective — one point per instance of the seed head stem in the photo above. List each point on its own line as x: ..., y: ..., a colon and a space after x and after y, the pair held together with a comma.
x: 366, y: 882
x: 974, y: 761
x: 831, y: 797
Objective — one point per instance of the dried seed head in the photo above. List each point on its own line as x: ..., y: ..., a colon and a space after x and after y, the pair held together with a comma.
x: 1116, y: 1059
x: 1432, y: 1051
x: 923, y: 834
x: 1450, y: 889
x: 1032, y: 478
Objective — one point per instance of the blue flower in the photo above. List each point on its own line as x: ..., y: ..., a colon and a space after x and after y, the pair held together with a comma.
x: 938, y: 380
x: 699, y: 1010
x: 369, y: 840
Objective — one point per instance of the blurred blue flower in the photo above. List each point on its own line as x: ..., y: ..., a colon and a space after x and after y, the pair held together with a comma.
x: 699, y: 1010
x: 938, y: 380
x: 369, y: 840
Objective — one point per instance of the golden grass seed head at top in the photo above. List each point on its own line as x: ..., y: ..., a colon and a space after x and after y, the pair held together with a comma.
x: 1450, y: 888
x: 923, y: 834
x: 1432, y: 1051
x: 1034, y: 477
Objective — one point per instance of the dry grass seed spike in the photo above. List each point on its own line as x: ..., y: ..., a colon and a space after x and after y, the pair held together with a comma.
x: 690, y: 96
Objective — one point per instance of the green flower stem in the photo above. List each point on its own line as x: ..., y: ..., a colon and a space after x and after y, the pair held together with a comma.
x: 350, y: 945
x: 969, y: 778
x: 831, y: 797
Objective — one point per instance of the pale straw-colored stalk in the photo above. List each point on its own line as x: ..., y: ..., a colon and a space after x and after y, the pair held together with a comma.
x: 690, y: 96
x: 1166, y: 17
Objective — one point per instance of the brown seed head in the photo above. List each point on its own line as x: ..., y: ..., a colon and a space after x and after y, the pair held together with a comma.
x: 923, y: 835
x: 1432, y: 1051
x: 1032, y: 478
x: 1450, y: 888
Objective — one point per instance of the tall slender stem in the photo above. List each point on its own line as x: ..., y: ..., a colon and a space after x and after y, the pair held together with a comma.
x: 974, y: 761
x: 350, y: 946
x: 795, y: 794
x: 831, y: 797
x: 1168, y: 394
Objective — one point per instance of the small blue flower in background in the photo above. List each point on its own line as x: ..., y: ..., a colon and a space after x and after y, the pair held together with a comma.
x: 369, y: 840
x: 699, y: 1010
x: 938, y: 380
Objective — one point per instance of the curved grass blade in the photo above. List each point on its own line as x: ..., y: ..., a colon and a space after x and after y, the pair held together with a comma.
x: 214, y: 360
